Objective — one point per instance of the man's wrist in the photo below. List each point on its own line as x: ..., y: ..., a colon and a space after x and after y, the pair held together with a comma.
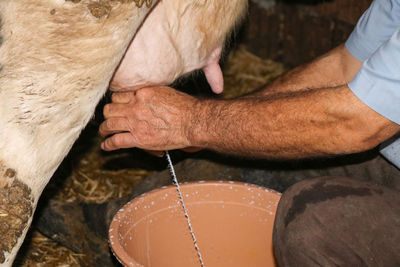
x: 201, y: 118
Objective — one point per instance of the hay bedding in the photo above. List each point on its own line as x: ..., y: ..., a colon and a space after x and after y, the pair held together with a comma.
x: 44, y: 252
x: 89, y: 181
x: 244, y: 72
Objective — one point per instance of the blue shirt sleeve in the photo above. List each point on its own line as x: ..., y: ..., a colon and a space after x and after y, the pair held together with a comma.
x: 377, y: 83
x: 390, y: 149
x: 375, y: 26
x: 376, y: 42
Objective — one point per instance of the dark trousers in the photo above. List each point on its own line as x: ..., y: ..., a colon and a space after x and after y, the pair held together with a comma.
x: 337, y: 221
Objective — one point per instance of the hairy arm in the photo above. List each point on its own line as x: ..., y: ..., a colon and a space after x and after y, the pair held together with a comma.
x: 307, y: 123
x: 335, y: 68
x: 308, y: 112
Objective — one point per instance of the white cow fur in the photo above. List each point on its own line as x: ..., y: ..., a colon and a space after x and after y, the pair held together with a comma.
x: 55, y: 71
x: 56, y: 61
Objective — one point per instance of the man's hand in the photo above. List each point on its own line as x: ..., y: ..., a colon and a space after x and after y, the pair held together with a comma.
x: 154, y: 119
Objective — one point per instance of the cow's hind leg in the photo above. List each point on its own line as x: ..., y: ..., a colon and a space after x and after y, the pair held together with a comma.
x: 56, y: 60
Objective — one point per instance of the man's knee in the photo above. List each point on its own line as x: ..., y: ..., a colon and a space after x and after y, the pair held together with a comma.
x: 295, y: 231
x: 318, y: 219
x: 319, y: 191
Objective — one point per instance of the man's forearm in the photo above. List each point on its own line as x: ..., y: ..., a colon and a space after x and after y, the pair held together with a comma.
x: 309, y: 111
x: 332, y: 69
x: 308, y: 123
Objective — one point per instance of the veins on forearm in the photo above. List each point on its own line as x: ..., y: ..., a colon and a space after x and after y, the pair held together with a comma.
x: 286, y: 125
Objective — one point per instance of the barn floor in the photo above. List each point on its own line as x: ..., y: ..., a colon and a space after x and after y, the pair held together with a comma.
x: 93, y: 176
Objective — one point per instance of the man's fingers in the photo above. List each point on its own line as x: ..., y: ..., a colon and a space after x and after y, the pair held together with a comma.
x: 123, y: 98
x: 115, y: 110
x: 113, y: 125
x: 117, y: 141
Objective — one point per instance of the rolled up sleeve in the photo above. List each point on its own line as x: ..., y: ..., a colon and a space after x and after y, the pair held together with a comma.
x: 377, y: 83
x: 376, y: 41
x: 374, y: 27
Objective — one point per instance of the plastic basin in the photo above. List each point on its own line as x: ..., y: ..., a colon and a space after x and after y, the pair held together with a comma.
x: 232, y: 222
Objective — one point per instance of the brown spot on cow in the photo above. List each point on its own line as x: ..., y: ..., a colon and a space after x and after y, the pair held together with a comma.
x: 102, y: 8
x: 53, y: 11
x: 10, y: 173
x: 16, y: 207
x: 139, y: 3
x: 99, y: 9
